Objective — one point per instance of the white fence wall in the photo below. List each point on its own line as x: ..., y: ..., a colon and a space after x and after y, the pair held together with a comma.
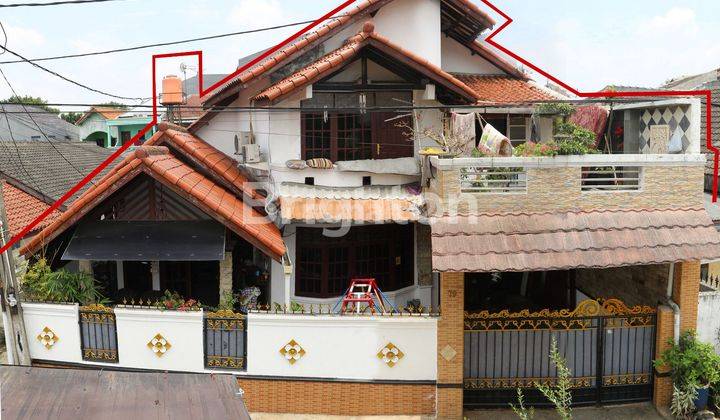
x: 342, y: 347
x: 183, y: 330
x: 62, y: 320
x: 708, y: 328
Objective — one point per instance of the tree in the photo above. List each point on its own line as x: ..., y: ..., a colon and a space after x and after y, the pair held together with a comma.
x: 113, y: 104
x: 31, y: 100
x: 71, y: 117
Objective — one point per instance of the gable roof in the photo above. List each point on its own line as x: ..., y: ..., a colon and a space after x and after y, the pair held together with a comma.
x: 222, y: 168
x: 313, y: 38
x: 107, y: 112
x: 347, y: 53
x: 51, y: 169
x: 693, y: 82
x: 159, y: 164
x: 25, y: 119
x: 504, y: 89
x: 22, y: 208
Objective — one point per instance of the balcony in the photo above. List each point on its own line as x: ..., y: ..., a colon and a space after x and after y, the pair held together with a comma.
x: 562, y: 183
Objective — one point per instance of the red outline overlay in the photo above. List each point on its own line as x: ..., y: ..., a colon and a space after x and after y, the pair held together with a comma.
x: 489, y: 40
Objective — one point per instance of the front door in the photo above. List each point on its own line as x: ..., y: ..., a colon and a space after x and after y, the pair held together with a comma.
x: 175, y: 277
x: 392, y: 136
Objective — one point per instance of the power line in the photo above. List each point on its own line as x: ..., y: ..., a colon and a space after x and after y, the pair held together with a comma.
x: 54, y: 3
x: 56, y: 74
x: 163, y: 44
x: 40, y: 129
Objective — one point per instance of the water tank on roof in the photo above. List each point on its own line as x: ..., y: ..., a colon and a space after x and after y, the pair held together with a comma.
x: 172, y: 93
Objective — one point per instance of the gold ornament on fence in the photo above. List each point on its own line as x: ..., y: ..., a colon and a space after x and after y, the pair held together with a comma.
x: 292, y: 351
x: 159, y: 345
x: 390, y: 355
x: 48, y: 338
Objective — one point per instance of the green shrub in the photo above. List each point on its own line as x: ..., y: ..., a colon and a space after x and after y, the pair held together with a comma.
x: 531, y: 149
x: 561, y: 109
x: 64, y: 286
x: 34, y: 282
x: 691, y: 361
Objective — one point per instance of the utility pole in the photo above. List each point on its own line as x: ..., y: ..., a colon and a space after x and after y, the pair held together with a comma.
x: 15, y: 336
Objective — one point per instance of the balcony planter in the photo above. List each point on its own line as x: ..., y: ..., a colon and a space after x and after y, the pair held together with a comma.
x: 701, y: 400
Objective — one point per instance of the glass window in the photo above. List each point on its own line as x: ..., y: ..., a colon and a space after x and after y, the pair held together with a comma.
x: 517, y: 129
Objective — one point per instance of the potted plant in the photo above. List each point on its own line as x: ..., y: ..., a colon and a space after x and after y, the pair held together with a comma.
x: 694, y: 366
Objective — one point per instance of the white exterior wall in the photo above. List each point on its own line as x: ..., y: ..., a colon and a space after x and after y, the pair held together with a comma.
x: 343, y: 347
x: 457, y: 58
x: 708, y: 323
x: 62, y: 319
x: 183, y: 330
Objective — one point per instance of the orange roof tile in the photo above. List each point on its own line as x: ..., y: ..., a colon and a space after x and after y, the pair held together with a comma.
x: 22, y: 208
x: 324, y: 31
x: 109, y: 113
x: 349, y: 51
x: 312, y: 209
x: 504, y: 89
x: 158, y: 163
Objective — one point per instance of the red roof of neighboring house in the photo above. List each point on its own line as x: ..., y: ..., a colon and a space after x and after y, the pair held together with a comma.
x: 345, y: 54
x: 504, y: 89
x: 22, y: 208
x: 109, y: 113
x: 158, y: 163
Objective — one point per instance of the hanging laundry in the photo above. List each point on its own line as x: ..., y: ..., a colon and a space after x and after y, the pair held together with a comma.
x: 463, y: 129
x: 495, y: 141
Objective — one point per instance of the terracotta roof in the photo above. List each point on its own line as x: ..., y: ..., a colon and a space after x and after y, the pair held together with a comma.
x: 504, y: 89
x: 364, y: 7
x: 218, y: 165
x: 309, y: 39
x: 22, y: 208
x: 343, y: 55
x: 208, y: 196
x: 109, y: 113
x: 370, y: 204
x: 558, y: 241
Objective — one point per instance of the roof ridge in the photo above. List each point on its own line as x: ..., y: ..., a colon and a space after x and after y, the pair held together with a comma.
x: 589, y: 211
x: 572, y: 229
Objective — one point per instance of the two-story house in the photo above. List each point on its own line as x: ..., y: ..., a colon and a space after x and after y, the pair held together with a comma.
x: 310, y: 169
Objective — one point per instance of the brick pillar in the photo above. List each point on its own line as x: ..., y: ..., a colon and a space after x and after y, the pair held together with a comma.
x: 662, y: 385
x: 85, y: 266
x: 226, y: 271
x: 686, y: 288
x: 450, y: 337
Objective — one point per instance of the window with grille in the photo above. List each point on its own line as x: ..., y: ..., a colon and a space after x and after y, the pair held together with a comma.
x: 325, y: 265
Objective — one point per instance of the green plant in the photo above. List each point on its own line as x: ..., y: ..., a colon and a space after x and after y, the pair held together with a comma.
x: 66, y: 286
x: 561, y: 109
x: 530, y: 149
x: 559, y: 393
x: 683, y: 400
x: 572, y: 139
x: 41, y: 283
x: 173, y: 300
x: 296, y: 307
x: 35, y: 280
x: 520, y: 410
x: 227, y: 302
x: 691, y: 362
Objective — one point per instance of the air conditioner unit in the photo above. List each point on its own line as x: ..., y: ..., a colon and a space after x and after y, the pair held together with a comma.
x: 251, y: 153
x: 241, y: 139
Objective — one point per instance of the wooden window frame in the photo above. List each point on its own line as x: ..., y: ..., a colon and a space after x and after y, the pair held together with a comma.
x: 361, y: 247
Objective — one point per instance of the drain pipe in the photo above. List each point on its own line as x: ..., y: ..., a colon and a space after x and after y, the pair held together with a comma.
x: 673, y: 305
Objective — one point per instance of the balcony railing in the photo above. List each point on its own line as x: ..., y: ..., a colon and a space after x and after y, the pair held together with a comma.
x: 566, y: 182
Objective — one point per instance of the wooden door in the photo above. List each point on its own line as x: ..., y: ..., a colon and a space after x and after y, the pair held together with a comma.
x: 390, y: 137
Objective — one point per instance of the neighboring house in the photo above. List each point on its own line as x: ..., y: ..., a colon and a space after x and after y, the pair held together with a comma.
x: 25, y: 122
x: 591, y: 251
x: 36, y: 174
x: 111, y: 127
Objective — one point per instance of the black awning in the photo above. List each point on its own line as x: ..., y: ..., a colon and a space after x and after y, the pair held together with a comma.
x: 147, y: 241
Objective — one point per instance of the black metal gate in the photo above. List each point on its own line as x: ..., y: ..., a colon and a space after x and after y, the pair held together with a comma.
x: 225, y: 340
x: 607, y: 346
x: 98, y: 334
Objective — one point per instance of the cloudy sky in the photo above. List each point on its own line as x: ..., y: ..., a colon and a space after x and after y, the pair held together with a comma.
x: 587, y: 44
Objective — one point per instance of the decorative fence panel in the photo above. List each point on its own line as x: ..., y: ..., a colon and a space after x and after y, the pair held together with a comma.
x: 98, y: 334
x: 607, y: 347
x: 225, y: 335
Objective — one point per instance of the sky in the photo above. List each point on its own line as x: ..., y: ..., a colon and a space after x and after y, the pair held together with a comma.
x: 587, y: 44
